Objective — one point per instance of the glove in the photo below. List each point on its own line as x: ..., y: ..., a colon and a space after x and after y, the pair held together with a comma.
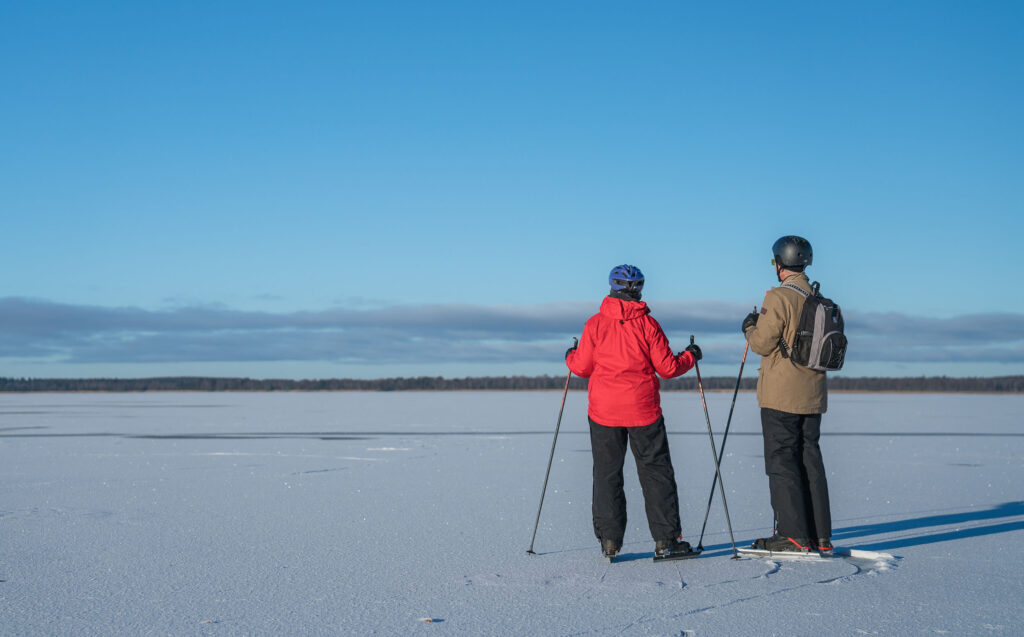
x: 695, y: 350
x: 750, y: 321
x: 570, y: 351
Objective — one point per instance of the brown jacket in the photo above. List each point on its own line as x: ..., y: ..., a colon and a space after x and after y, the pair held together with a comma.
x: 781, y: 383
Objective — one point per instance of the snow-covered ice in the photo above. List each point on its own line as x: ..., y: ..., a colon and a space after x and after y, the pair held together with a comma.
x: 410, y: 514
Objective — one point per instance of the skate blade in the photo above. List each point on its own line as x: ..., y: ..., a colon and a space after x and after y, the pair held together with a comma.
x: 678, y: 556
x: 793, y: 555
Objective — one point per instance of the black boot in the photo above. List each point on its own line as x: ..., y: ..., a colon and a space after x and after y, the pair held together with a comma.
x: 610, y: 548
x: 782, y: 544
x: 673, y: 549
x: 824, y: 547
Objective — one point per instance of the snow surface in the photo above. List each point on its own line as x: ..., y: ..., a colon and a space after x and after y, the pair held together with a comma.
x: 369, y: 513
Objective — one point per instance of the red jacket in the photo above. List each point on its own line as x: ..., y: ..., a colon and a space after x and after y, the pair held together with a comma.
x: 621, y: 350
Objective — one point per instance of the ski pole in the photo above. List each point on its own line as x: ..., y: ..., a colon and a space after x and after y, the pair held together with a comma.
x: 721, y: 452
x: 714, y: 456
x: 558, y: 424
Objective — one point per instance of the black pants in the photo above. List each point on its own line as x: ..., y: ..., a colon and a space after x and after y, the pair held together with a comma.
x: 657, y: 479
x: 796, y: 474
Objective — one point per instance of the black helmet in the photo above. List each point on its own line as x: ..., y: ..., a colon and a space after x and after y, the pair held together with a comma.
x: 792, y: 252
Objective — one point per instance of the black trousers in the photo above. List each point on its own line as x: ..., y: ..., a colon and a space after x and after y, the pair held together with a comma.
x: 657, y: 479
x: 796, y: 474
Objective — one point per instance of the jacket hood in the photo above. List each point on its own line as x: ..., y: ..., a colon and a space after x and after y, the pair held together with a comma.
x: 622, y: 310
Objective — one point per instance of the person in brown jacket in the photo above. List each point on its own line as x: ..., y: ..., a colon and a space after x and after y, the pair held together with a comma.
x: 792, y: 399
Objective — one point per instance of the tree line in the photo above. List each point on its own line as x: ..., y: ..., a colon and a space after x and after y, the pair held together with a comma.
x: 1000, y: 384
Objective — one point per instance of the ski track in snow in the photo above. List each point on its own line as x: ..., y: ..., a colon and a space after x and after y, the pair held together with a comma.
x: 589, y: 587
x: 861, y: 566
x: 775, y: 568
x: 303, y: 473
x: 279, y: 455
x: 53, y: 513
x: 682, y: 582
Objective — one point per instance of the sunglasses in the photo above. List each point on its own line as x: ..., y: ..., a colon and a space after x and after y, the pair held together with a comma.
x: 630, y: 285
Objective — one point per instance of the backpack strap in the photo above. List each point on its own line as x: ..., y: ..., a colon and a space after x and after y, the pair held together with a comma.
x: 804, y: 293
x: 787, y: 351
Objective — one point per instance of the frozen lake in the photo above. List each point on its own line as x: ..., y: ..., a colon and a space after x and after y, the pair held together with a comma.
x: 366, y: 513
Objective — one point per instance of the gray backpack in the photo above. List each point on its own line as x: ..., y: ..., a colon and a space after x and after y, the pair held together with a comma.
x: 820, y: 342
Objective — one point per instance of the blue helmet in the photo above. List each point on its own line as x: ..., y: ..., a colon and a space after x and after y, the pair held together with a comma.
x: 627, y: 278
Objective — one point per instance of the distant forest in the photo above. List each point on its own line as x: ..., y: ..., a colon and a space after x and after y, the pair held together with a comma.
x: 1001, y: 384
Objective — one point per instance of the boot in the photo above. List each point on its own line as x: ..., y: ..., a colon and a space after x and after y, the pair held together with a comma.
x: 781, y: 543
x: 610, y: 548
x: 673, y: 548
x: 824, y: 547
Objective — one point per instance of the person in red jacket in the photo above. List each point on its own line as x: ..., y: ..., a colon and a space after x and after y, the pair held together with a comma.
x: 622, y: 351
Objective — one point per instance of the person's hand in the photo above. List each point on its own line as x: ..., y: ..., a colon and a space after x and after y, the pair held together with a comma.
x: 750, y: 321
x: 695, y: 350
x: 575, y: 343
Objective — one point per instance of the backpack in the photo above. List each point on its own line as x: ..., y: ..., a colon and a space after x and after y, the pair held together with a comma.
x: 820, y: 342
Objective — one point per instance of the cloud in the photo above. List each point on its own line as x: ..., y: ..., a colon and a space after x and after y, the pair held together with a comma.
x: 892, y: 337
x: 441, y: 333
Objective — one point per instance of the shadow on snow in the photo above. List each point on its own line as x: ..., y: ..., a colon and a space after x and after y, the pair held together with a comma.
x: 846, y: 536
x: 996, y: 514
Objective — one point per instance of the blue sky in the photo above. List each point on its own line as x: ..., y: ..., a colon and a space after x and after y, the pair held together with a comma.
x: 405, y: 188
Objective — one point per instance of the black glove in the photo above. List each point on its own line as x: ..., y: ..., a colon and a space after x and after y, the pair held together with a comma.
x: 695, y: 350
x: 750, y: 321
x: 576, y: 342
